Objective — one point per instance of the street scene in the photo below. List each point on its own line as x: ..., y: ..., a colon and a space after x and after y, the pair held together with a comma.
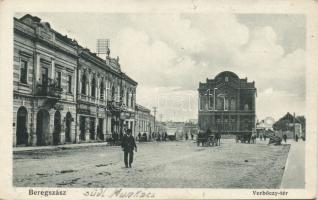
x: 132, y: 105
x: 158, y: 164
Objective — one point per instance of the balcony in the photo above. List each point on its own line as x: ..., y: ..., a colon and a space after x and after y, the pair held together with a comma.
x: 115, y: 106
x: 49, y: 88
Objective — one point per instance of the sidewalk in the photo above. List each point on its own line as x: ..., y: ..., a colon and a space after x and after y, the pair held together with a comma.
x: 66, y: 146
x: 294, y: 174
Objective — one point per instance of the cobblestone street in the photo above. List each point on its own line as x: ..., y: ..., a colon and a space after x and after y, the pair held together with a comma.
x: 167, y: 164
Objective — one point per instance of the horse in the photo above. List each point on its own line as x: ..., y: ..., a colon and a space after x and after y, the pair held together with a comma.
x: 218, y: 139
x: 253, y: 138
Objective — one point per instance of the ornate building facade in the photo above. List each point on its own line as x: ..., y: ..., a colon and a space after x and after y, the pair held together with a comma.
x: 227, y: 104
x: 62, y: 92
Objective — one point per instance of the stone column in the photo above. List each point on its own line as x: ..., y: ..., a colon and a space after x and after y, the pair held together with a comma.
x: 253, y: 101
x: 32, y: 131
x: 238, y: 123
x: 88, y: 88
x: 53, y: 68
x: 77, y: 129
x: 96, y: 124
x: 238, y: 103
x: 87, y: 127
x: 79, y: 83
x: 105, y: 127
x: 38, y: 67
x: 62, y: 134
x: 74, y: 84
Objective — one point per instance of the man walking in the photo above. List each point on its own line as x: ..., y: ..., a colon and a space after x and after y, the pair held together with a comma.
x: 128, y: 145
x: 285, y: 138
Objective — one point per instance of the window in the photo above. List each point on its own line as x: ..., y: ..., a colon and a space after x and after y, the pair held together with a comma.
x: 101, y: 93
x: 84, y: 82
x: 127, y: 98
x: 201, y: 102
x: 132, y: 100
x: 69, y: 84
x: 246, y: 107
x: 233, y: 104
x: 113, y: 93
x: 226, y: 79
x: 59, y: 79
x: 220, y: 103
x: 24, y: 72
x: 226, y: 105
x: 93, y: 88
x: 107, y: 90
x: 45, y: 76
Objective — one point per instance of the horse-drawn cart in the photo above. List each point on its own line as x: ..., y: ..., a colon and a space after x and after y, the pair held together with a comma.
x: 207, y: 139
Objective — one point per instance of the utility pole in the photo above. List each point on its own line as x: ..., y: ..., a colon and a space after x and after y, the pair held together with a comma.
x: 294, y: 126
x: 154, y: 119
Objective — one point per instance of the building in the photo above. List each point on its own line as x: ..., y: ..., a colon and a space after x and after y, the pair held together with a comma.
x: 175, y: 130
x: 143, y: 118
x: 227, y: 104
x: 191, y: 128
x: 290, y: 125
x: 62, y: 92
x: 44, y: 74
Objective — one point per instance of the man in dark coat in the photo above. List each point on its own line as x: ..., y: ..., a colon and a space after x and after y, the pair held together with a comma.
x: 128, y: 145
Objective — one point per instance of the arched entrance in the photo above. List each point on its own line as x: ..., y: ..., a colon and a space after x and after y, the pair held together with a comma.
x: 42, y: 127
x: 57, y: 128
x: 21, y: 130
x: 68, y: 127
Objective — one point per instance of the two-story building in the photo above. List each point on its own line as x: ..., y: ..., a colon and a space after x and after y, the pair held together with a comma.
x: 63, y: 93
x: 227, y: 104
x: 44, y: 77
x: 142, y: 120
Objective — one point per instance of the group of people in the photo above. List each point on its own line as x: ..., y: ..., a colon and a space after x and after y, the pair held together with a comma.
x: 152, y: 137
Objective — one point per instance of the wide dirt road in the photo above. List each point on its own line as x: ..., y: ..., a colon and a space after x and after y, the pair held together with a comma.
x: 167, y: 164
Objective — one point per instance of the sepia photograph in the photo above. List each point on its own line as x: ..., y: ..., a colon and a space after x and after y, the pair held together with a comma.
x: 161, y: 100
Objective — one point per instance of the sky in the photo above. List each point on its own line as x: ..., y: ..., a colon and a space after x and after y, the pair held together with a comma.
x: 169, y: 54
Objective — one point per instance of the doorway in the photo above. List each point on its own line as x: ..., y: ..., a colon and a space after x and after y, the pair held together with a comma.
x: 42, y: 127
x: 68, y: 127
x: 21, y: 130
x: 57, y: 128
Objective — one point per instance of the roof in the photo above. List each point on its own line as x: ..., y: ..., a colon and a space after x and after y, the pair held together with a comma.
x: 112, y: 66
x: 226, y: 73
x: 142, y: 108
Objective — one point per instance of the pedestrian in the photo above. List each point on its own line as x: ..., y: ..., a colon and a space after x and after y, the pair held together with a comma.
x: 261, y: 136
x: 264, y: 137
x: 191, y: 136
x: 139, y: 136
x: 285, y: 137
x: 186, y: 136
x: 296, y: 137
x: 128, y: 146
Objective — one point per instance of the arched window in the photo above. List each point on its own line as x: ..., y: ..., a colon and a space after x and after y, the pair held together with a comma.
x: 101, y: 90
x: 93, y: 87
x: 219, y: 103
x: 232, y: 107
x: 84, y: 82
